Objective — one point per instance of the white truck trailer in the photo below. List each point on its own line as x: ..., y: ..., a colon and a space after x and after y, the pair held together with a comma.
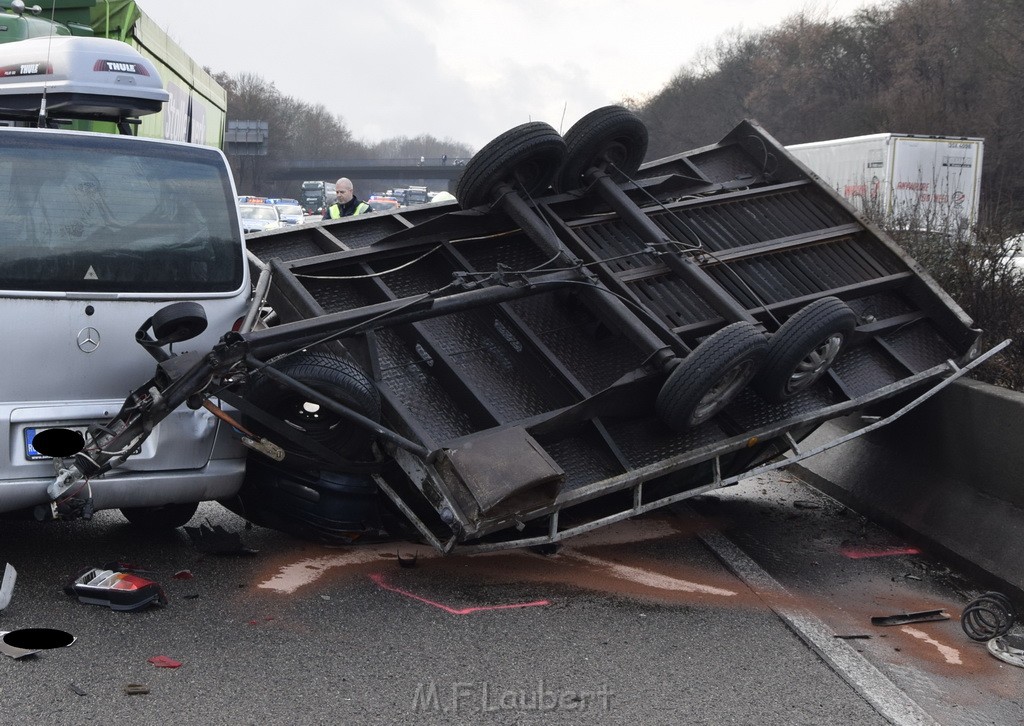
x: 916, y: 182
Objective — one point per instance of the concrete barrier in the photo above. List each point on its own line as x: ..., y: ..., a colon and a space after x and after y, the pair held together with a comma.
x: 951, y: 472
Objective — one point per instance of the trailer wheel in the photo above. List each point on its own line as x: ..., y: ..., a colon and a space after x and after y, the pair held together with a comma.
x: 802, y: 350
x: 333, y: 377
x: 611, y: 138
x: 708, y: 379
x: 527, y: 156
x: 169, y: 516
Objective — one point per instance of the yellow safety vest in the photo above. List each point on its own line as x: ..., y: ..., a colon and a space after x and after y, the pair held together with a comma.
x: 335, y: 210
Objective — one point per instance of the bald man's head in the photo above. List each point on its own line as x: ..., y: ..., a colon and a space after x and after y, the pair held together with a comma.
x: 344, y: 189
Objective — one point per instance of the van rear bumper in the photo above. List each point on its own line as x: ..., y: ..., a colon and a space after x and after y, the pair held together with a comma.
x: 218, y: 479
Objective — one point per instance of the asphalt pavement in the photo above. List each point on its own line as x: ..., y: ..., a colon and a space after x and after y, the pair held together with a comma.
x: 726, y: 611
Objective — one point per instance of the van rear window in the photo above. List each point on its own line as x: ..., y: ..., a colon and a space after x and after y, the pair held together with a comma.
x: 83, y: 213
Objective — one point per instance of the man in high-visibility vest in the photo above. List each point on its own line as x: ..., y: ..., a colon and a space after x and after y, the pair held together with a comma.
x: 347, y: 205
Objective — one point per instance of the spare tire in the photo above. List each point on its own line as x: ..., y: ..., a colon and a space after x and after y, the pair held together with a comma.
x: 333, y: 377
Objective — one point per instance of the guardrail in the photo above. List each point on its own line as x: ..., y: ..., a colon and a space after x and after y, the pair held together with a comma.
x: 950, y: 472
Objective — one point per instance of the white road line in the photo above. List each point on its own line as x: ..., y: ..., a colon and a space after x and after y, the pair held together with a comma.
x: 883, y: 695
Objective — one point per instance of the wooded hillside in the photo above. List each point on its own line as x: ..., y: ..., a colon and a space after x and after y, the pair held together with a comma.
x: 947, y: 67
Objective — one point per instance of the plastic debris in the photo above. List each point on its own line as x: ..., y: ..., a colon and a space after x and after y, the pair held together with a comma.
x: 7, y: 585
x: 215, y: 540
x: 924, y: 616
x: 162, y: 661
x: 183, y: 575
x: 78, y: 689
x: 136, y: 689
x: 115, y: 589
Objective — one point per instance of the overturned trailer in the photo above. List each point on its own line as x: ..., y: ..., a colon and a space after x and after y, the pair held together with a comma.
x: 580, y: 339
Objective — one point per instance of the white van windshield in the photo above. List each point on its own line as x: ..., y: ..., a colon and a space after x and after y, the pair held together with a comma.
x: 115, y: 214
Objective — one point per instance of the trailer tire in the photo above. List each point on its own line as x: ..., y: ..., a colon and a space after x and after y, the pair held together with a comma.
x: 320, y: 506
x: 168, y: 516
x: 708, y: 379
x: 327, y: 374
x: 804, y: 348
x: 612, y: 138
x: 527, y: 156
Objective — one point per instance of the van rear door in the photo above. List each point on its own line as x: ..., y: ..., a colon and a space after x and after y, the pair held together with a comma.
x: 99, y: 233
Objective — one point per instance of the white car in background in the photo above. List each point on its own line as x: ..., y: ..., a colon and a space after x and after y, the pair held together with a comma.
x: 291, y: 213
x: 259, y: 218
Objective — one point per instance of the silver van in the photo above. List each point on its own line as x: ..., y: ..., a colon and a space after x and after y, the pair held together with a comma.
x: 100, y: 232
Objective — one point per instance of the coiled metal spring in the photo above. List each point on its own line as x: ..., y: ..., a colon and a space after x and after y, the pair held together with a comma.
x: 988, y: 616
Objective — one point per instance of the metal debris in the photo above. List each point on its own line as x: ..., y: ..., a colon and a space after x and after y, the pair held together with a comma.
x: 924, y: 616
x: 1008, y: 648
x: 988, y: 616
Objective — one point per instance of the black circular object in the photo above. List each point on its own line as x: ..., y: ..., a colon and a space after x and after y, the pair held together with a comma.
x: 38, y: 638
x: 178, y: 322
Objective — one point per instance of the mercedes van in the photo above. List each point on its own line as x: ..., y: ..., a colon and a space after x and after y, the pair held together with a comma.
x: 99, y: 232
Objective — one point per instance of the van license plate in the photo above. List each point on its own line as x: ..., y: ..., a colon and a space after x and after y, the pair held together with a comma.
x: 30, y: 452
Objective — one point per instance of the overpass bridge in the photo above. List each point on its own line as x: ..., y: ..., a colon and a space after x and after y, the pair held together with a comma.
x: 423, y: 169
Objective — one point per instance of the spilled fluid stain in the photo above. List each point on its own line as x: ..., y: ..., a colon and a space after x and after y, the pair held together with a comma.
x: 648, y: 578
x: 382, y: 583
x: 598, y: 561
x: 952, y: 655
x: 305, y: 572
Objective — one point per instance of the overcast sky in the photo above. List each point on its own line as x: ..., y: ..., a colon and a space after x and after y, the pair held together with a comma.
x: 464, y: 69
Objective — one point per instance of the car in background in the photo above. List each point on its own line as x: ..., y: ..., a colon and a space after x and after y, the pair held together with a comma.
x: 259, y: 217
x: 290, y: 211
x: 383, y: 204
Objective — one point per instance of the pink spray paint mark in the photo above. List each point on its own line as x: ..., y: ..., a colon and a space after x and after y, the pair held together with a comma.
x: 860, y: 554
x: 379, y: 579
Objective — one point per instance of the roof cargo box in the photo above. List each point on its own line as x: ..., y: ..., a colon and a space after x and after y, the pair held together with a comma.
x: 92, y: 78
